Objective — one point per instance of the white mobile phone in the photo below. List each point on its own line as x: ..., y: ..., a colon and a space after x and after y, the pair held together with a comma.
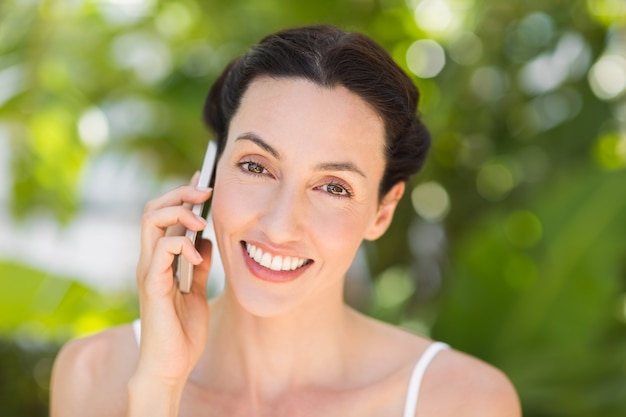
x: 185, y: 269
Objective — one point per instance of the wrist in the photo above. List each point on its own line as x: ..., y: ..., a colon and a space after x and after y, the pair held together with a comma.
x: 150, y: 397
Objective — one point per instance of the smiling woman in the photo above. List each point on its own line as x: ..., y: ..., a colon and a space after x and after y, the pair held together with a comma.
x: 317, y: 134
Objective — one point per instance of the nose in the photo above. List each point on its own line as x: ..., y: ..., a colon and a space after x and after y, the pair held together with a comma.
x: 283, y: 217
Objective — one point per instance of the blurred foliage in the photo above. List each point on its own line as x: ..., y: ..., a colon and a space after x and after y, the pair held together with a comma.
x: 39, y: 313
x: 509, y: 246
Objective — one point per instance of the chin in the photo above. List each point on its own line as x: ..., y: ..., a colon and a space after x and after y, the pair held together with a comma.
x: 261, y: 301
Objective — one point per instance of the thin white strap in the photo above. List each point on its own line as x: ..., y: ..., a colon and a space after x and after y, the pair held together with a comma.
x: 137, y: 330
x: 416, y: 377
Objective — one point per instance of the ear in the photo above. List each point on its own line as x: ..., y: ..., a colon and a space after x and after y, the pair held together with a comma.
x: 384, y: 215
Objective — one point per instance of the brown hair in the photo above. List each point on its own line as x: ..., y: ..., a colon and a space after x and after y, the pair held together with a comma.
x: 329, y: 57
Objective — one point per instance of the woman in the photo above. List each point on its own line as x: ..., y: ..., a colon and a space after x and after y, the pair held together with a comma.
x: 317, y: 134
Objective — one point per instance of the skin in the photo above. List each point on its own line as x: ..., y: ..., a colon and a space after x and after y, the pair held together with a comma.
x: 292, y: 182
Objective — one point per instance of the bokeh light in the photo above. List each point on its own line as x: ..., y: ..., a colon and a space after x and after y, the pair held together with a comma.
x: 431, y: 201
x: 394, y: 286
x: 494, y: 181
x: 434, y: 15
x: 489, y: 83
x: 425, y: 58
x: 569, y: 61
x: 610, y: 151
x: 125, y: 12
x: 523, y: 229
x: 465, y: 48
x: 93, y: 128
x: 607, y: 77
x: 147, y: 56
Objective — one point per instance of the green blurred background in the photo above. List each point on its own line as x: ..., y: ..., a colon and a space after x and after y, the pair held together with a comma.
x: 509, y: 246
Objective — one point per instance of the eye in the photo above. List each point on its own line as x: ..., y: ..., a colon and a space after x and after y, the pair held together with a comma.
x: 336, y: 190
x: 253, y: 168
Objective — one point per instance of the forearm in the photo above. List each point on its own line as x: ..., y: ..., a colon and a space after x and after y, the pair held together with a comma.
x: 147, y: 398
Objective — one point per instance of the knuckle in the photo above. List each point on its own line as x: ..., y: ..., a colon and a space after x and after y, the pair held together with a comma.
x: 150, y: 206
x: 147, y: 218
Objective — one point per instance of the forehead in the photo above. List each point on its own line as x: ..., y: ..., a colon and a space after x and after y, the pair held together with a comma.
x: 303, y: 111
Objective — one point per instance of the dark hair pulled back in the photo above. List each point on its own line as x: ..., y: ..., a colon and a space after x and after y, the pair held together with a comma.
x: 330, y: 57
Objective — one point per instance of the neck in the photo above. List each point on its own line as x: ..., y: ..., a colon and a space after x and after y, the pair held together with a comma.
x: 267, y: 356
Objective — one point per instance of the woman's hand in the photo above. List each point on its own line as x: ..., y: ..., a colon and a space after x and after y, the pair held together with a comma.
x: 174, y: 326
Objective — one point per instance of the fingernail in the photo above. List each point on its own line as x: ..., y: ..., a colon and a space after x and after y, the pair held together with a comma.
x: 204, y: 189
x: 195, y: 177
x: 199, y: 257
x: 200, y: 219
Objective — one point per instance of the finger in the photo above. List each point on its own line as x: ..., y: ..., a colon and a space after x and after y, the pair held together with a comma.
x: 201, y: 271
x: 154, y: 227
x: 195, y: 178
x: 155, y: 224
x: 160, y: 274
x: 178, y: 196
x: 179, y: 229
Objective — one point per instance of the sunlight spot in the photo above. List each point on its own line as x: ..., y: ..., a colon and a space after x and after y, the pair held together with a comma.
x: 610, y: 151
x: 433, y: 15
x: 431, y: 201
x: 425, y: 58
x: 607, y: 11
x: 548, y: 71
x: 148, y: 57
x: 93, y: 128
x: 125, y: 12
x: 607, y: 77
x: 174, y: 21
x: 394, y: 286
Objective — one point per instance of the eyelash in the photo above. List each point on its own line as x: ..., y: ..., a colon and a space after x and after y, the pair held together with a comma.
x: 245, y: 167
x: 344, y: 187
x: 242, y: 166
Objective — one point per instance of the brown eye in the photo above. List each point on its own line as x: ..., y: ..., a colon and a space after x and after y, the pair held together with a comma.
x: 253, y: 168
x: 336, y: 189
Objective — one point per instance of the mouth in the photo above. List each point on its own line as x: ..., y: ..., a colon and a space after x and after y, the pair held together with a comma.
x: 275, y: 262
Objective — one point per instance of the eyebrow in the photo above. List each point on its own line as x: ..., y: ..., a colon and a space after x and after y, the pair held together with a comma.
x: 324, y: 166
x: 340, y: 166
x: 259, y: 142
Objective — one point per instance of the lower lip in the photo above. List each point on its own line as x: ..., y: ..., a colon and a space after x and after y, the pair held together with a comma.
x: 270, y: 275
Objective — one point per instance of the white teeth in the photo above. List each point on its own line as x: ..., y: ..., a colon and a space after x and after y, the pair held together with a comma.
x: 275, y: 263
x: 258, y: 255
x: 266, y: 260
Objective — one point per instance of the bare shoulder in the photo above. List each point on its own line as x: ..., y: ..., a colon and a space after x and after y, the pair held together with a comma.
x: 91, y: 374
x: 459, y: 384
x: 454, y: 384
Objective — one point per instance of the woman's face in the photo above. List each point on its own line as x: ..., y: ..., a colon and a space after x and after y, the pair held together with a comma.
x: 296, y: 192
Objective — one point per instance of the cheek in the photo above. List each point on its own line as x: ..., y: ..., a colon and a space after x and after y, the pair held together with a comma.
x: 338, y: 229
x: 232, y: 203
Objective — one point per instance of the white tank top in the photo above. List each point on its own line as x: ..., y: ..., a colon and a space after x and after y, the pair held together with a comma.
x: 412, y: 394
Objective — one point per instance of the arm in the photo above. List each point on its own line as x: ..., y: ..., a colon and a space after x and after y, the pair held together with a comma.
x: 105, y: 374
x: 174, y: 326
